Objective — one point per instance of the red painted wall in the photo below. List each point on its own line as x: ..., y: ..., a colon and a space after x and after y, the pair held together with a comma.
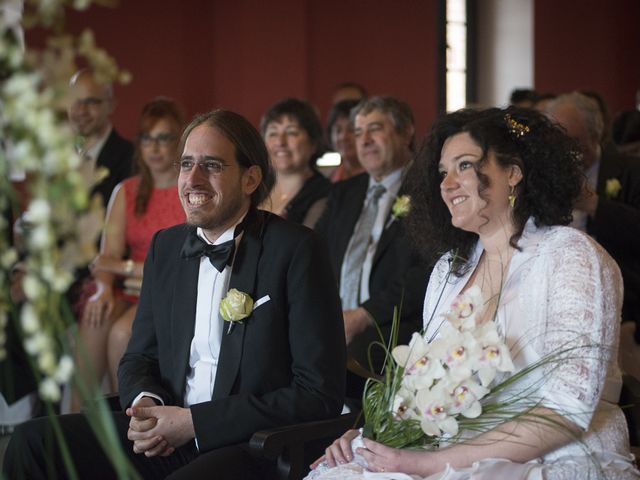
x: 591, y: 45
x: 245, y: 55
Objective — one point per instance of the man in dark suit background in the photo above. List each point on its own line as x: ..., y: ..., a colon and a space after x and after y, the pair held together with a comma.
x: 609, y: 209
x: 363, y: 227
x: 196, y: 387
x: 99, y: 145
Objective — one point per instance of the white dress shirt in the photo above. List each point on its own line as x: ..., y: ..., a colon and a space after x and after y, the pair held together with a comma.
x: 207, y: 336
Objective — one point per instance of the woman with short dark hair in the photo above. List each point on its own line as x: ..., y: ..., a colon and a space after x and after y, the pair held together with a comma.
x: 293, y: 135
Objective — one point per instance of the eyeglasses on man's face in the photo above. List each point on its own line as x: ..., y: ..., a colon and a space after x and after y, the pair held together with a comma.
x: 89, y: 102
x: 208, y: 167
x: 162, y: 139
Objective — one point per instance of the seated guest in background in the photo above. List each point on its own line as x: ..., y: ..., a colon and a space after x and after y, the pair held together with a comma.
x: 523, y: 97
x: 342, y: 140
x: 542, y: 101
x: 493, y: 189
x: 609, y: 207
x: 293, y: 135
x: 99, y: 145
x: 139, y: 207
x: 364, y: 228
x: 349, y: 91
x: 196, y: 387
x: 626, y: 132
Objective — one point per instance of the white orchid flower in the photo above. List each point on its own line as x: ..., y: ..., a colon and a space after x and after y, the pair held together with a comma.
x: 404, y: 404
x: 494, y: 355
x: 434, y: 405
x: 457, y: 351
x: 465, y: 308
x: 466, y: 398
x: 421, y: 368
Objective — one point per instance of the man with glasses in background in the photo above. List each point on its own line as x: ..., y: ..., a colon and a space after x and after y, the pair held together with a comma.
x: 98, y: 143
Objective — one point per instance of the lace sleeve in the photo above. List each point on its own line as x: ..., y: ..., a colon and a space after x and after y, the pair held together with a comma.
x: 581, y: 319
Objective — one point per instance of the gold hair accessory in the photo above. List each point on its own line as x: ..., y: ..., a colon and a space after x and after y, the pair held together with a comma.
x: 516, y: 128
x: 512, y: 197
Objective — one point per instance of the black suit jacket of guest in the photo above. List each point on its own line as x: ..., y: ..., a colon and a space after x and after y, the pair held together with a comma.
x: 616, y: 225
x: 397, y: 273
x: 117, y: 156
x: 283, y: 364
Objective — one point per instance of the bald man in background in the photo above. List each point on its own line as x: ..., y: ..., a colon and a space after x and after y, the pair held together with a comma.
x: 90, y: 109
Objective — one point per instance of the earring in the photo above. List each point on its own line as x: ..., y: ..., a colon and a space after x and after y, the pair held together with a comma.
x: 512, y: 196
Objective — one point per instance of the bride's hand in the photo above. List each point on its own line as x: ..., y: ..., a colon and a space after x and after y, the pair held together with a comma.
x: 381, y: 458
x: 339, y: 451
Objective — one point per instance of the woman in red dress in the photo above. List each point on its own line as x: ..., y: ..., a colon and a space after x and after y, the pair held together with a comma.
x: 139, y: 206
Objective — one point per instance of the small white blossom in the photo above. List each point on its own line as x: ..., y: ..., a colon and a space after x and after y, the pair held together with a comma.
x: 39, y: 211
x: 41, y: 237
x: 49, y: 390
x: 62, y: 282
x: 47, y: 362
x: 29, y: 319
x: 32, y: 287
x: 37, y: 343
x: 8, y: 258
x: 64, y: 370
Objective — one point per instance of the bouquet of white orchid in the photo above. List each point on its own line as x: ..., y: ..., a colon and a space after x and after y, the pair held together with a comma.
x: 431, y: 390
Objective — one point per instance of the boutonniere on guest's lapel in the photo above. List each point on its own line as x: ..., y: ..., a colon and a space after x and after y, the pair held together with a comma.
x: 612, y: 188
x: 235, y: 307
x: 401, y: 207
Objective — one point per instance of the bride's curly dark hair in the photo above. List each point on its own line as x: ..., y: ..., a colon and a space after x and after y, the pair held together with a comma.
x: 548, y: 158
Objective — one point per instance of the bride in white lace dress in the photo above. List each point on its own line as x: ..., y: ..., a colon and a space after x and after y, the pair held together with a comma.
x: 495, y: 187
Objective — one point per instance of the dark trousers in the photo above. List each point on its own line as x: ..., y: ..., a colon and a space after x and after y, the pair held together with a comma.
x: 33, y: 454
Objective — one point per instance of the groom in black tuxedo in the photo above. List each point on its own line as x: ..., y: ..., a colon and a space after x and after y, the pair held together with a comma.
x: 194, y: 386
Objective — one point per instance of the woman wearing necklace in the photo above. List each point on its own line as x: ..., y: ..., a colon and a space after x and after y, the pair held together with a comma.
x: 494, y: 190
x: 293, y: 135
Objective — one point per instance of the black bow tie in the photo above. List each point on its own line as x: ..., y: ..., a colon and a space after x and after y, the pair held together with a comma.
x: 219, y: 255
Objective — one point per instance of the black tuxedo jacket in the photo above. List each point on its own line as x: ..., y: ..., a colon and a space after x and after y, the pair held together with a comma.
x: 397, y: 273
x: 284, y: 364
x: 117, y: 156
x: 616, y: 224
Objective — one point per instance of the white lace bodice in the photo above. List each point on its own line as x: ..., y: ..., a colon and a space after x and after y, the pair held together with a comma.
x: 562, y: 290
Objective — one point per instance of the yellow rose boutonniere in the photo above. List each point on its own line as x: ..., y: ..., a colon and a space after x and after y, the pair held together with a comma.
x: 235, y: 307
x: 401, y: 206
x: 612, y: 188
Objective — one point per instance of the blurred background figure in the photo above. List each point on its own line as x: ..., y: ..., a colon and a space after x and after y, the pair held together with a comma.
x: 342, y: 140
x: 293, y: 135
x: 98, y: 143
x: 523, y: 97
x: 608, y: 208
x: 542, y: 101
x: 139, y: 207
x: 349, y: 91
x: 626, y: 132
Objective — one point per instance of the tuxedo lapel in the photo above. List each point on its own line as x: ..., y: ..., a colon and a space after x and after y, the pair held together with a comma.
x: 243, y: 278
x: 388, y: 234
x: 183, y: 314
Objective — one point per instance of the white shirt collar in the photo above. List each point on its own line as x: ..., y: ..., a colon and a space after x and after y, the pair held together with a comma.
x: 95, y: 150
x: 226, y: 235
